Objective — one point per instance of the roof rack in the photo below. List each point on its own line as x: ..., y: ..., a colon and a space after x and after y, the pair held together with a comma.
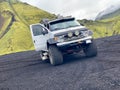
x: 45, y: 21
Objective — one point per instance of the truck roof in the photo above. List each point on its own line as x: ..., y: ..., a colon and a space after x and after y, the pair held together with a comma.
x: 47, y: 21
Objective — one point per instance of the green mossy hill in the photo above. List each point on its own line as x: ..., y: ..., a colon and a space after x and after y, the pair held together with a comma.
x: 103, y: 28
x: 16, y: 18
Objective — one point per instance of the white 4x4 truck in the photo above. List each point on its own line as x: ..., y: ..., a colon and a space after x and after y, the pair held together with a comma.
x: 62, y: 36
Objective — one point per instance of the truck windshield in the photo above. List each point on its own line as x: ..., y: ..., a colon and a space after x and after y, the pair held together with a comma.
x: 63, y: 24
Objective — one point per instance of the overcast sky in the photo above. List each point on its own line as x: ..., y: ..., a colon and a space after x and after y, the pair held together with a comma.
x: 78, y: 8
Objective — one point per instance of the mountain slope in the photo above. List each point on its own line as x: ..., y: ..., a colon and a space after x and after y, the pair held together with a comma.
x: 110, y: 12
x: 15, y: 18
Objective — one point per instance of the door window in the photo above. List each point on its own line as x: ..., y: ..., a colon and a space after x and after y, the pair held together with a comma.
x: 37, y: 30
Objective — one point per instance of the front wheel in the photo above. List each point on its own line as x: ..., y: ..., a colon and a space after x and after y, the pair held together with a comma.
x: 90, y: 50
x: 55, y: 55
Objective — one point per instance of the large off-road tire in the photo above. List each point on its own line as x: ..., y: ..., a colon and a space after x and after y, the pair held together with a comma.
x: 55, y: 55
x: 90, y: 50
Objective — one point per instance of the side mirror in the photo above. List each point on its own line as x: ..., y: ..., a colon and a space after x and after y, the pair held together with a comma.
x: 44, y: 31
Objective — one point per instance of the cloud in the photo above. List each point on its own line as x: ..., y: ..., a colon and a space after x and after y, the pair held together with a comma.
x: 78, y: 8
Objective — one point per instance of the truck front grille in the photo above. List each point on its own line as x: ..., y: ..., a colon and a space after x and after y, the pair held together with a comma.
x: 66, y: 38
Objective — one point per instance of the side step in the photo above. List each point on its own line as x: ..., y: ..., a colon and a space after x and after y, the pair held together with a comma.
x: 44, y: 56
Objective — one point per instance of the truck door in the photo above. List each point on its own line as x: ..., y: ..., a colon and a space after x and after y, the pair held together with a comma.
x: 39, y: 38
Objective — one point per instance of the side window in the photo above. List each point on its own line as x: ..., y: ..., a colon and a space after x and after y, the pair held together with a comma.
x: 37, y: 30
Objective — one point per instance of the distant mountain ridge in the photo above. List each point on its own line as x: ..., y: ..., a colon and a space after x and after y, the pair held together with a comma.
x: 110, y: 12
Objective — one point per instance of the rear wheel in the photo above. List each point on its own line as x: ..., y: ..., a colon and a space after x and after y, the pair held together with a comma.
x: 90, y: 50
x: 55, y: 55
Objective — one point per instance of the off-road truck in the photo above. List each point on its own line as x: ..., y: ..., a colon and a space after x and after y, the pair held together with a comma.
x: 54, y: 38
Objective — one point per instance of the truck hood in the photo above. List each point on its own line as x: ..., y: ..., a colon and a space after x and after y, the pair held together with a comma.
x: 69, y: 30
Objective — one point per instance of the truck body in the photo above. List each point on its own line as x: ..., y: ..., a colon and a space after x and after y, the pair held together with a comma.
x: 61, y: 36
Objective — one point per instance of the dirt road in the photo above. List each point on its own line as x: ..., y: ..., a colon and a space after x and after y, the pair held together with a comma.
x: 24, y: 71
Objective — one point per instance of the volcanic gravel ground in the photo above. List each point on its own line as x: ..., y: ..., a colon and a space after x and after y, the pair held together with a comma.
x: 25, y: 70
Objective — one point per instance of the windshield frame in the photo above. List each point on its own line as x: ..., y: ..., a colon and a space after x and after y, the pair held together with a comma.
x: 63, y: 24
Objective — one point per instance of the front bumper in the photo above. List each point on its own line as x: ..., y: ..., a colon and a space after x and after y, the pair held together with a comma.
x: 76, y: 41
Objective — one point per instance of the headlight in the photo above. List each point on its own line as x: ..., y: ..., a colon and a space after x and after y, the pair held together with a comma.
x: 70, y: 34
x: 59, y: 39
x: 87, y: 33
x: 77, y: 33
x: 90, y: 32
x: 56, y: 38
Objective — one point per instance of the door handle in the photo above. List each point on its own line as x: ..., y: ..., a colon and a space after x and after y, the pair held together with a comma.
x: 34, y: 41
